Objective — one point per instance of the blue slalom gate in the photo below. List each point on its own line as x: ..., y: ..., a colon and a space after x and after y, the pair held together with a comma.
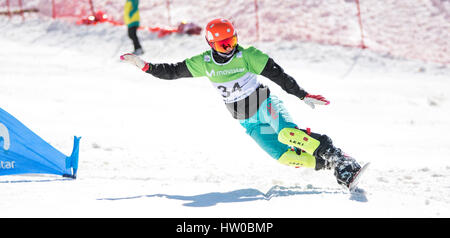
x: 24, y: 152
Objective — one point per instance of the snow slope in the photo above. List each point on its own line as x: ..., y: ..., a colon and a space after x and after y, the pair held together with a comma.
x: 156, y: 148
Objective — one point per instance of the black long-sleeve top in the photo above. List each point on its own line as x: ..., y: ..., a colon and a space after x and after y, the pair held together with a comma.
x: 241, y: 109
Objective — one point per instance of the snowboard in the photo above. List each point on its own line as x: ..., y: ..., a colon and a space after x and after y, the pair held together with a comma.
x: 353, y: 185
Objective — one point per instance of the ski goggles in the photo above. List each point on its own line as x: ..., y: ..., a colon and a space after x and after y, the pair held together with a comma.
x: 224, y: 46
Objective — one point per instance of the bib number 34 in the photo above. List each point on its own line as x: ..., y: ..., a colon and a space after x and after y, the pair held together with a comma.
x: 226, y: 93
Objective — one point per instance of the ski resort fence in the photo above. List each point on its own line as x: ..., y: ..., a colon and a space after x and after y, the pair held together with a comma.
x: 413, y: 29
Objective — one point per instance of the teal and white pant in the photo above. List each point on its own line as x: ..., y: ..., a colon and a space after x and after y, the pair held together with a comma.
x: 265, y: 125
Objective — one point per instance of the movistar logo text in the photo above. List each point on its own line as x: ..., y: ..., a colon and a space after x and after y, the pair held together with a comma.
x: 214, y: 73
x: 7, y: 164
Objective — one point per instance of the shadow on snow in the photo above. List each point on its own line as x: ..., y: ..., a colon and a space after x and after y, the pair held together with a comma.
x: 246, y: 195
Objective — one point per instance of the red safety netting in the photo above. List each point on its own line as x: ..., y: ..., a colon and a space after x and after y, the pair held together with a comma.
x: 415, y: 29
x: 78, y: 8
x: 11, y: 7
x: 409, y: 29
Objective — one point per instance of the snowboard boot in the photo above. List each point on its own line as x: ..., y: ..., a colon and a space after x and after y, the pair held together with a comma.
x: 345, y: 167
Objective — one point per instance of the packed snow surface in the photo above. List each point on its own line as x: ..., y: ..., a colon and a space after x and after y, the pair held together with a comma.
x: 158, y: 148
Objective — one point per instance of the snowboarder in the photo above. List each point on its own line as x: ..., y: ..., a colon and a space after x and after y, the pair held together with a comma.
x: 233, y: 70
x: 131, y: 19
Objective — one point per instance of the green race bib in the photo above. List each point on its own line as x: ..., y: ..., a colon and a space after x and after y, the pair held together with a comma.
x: 235, y: 79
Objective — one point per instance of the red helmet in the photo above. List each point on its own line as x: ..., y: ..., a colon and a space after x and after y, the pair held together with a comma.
x: 220, y: 35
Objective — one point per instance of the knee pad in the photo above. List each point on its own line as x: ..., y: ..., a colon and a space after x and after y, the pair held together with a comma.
x: 303, y: 159
x: 299, y: 139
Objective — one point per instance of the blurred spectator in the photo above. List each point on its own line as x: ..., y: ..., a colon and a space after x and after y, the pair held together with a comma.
x: 189, y: 28
x: 131, y: 19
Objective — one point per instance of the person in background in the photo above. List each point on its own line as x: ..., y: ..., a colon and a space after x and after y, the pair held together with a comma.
x: 131, y: 19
